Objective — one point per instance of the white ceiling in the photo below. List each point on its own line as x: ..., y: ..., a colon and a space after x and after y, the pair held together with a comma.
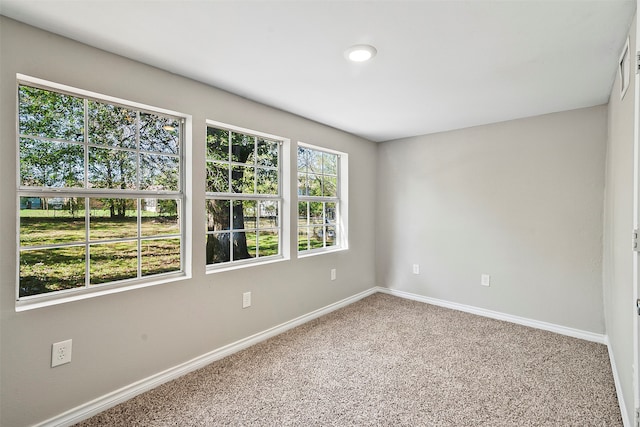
x: 441, y: 65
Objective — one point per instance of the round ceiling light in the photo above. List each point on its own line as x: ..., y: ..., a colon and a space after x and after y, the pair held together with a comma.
x: 360, y: 53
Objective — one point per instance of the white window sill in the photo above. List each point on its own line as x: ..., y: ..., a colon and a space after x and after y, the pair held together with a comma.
x: 321, y: 251
x: 218, y: 268
x: 62, y: 297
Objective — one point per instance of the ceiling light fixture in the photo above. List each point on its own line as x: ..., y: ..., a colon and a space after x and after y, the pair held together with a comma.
x: 360, y: 53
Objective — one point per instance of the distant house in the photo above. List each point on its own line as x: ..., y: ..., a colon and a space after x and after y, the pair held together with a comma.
x: 30, y: 203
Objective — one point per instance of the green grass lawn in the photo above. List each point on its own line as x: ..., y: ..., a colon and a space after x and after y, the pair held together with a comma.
x: 37, y: 229
x: 52, y: 269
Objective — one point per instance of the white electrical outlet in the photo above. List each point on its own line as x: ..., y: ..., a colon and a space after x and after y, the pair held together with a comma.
x: 246, y: 299
x: 416, y: 268
x: 485, y: 280
x: 60, y: 353
x: 333, y: 274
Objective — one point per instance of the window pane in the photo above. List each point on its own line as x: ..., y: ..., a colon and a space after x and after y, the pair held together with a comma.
x: 244, y: 214
x: 330, y: 188
x: 159, y: 172
x: 303, y: 184
x: 267, y: 181
x: 315, y: 185
x: 217, y: 178
x: 161, y: 134
x: 303, y: 214
x: 240, y: 248
x: 268, y: 211
x: 114, y: 169
x: 160, y: 256
x: 330, y: 212
x: 112, y: 125
x: 159, y: 217
x: 51, y: 221
x: 331, y: 236
x: 267, y: 152
x: 50, y: 114
x: 252, y: 240
x: 218, y: 215
x: 218, y: 248
x: 303, y: 238
x: 51, y: 164
x: 268, y: 243
x: 48, y: 270
x: 113, y: 219
x: 329, y: 164
x: 217, y: 144
x: 316, y: 212
x: 113, y: 261
x: 303, y: 159
x: 243, y: 179
x: 315, y: 161
x: 242, y: 148
x: 316, y: 237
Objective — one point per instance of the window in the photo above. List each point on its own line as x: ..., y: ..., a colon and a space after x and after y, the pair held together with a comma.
x: 243, y: 196
x: 319, y: 199
x: 100, y: 192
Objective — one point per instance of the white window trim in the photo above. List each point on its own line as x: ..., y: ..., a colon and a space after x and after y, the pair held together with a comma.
x: 343, y: 201
x: 69, y: 295
x: 284, y: 183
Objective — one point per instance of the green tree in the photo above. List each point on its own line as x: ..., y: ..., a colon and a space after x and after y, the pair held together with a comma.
x: 51, y: 127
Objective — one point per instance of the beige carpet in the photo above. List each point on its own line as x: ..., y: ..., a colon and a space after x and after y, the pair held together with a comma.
x: 387, y: 361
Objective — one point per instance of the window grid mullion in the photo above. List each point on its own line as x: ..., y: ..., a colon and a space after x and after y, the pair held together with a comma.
x: 138, y: 200
x: 308, y: 225
x: 137, y: 151
x: 87, y: 199
x: 139, y: 233
x: 255, y: 165
x: 324, y: 224
x: 229, y: 165
x: 87, y: 246
x: 231, y: 231
x: 86, y: 144
x: 257, y: 226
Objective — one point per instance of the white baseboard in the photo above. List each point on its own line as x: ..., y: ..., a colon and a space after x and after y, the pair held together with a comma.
x: 109, y: 400
x: 563, y: 330
x: 616, y: 379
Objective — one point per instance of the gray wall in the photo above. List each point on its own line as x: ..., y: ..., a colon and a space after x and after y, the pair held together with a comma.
x: 519, y: 200
x: 618, y: 223
x: 124, y: 337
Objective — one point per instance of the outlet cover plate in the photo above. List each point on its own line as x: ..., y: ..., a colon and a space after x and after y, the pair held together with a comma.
x: 60, y: 353
x: 485, y: 280
x: 246, y: 299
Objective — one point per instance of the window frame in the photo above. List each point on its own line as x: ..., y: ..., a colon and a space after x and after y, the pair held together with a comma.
x: 280, y: 199
x: 87, y: 193
x: 341, y: 201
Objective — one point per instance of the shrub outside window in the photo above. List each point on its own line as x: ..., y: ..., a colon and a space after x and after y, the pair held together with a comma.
x: 243, y: 196
x: 319, y: 203
x: 100, y: 192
